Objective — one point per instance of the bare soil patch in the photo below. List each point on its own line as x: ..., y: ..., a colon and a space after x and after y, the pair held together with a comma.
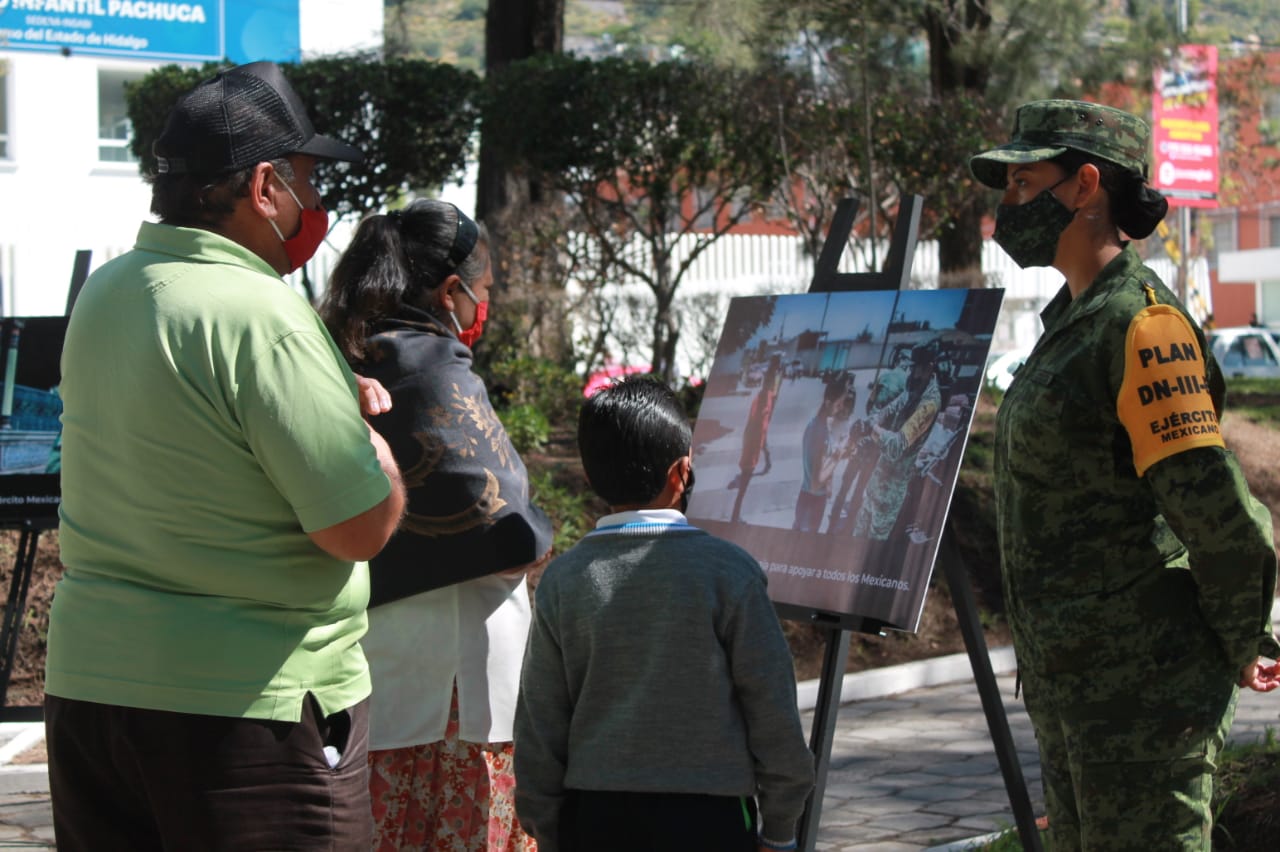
x: 26, y: 683
x: 1257, y: 447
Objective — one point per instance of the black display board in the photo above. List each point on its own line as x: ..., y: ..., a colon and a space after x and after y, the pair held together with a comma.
x: 30, y: 430
x: 30, y: 459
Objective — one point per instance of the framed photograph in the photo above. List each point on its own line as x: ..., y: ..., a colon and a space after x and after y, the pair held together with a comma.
x: 30, y: 408
x: 830, y: 437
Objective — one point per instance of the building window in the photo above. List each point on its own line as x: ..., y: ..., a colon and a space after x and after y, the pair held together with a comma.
x: 1224, y: 238
x: 705, y: 209
x: 1269, y: 121
x: 114, y: 128
x: 4, y: 113
x: 1274, y: 228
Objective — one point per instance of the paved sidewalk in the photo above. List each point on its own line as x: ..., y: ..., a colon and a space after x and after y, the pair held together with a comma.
x: 917, y: 770
x: 912, y: 765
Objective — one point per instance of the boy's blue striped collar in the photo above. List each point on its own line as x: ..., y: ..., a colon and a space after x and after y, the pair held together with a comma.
x: 646, y: 521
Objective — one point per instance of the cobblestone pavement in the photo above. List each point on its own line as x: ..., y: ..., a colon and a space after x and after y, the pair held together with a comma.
x: 917, y: 771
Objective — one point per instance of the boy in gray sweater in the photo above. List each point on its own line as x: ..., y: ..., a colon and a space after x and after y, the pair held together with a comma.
x: 657, y: 702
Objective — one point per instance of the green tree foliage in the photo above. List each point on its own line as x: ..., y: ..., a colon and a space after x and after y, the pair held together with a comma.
x: 644, y: 154
x: 441, y: 30
x: 936, y: 80
x: 1222, y: 21
x: 841, y: 137
x: 412, y: 119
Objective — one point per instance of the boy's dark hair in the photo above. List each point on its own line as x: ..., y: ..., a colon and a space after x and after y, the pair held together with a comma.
x: 629, y: 433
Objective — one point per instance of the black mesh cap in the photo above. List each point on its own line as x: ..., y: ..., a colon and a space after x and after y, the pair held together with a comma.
x: 243, y: 116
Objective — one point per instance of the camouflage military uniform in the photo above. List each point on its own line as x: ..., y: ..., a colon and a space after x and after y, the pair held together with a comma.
x: 865, y: 453
x: 906, y: 420
x: 1136, y: 594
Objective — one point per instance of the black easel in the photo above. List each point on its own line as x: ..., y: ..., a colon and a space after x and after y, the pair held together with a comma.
x: 15, y: 609
x: 79, y: 272
x: 896, y: 273
x: 24, y: 562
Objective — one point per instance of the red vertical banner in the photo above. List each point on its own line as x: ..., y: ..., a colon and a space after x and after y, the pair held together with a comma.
x: 1184, y: 110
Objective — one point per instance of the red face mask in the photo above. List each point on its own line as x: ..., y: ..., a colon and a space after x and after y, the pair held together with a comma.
x: 313, y: 226
x: 469, y: 336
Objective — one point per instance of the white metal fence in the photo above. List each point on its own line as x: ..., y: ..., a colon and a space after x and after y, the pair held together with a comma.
x: 746, y: 265
x: 733, y: 265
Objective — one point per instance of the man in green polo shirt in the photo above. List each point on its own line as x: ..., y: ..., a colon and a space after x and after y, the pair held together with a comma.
x: 205, y: 686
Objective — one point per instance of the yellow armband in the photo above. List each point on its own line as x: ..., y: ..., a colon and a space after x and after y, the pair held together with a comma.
x: 1164, y: 402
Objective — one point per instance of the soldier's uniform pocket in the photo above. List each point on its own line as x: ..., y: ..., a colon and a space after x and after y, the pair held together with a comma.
x: 1037, y: 402
x: 1144, y: 784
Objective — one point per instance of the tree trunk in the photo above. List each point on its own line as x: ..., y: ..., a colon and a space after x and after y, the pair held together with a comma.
x: 514, y: 30
x: 666, y: 326
x: 960, y: 249
x: 666, y: 334
x: 960, y: 242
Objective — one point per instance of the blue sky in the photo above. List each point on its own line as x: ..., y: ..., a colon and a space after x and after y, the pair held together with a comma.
x: 844, y: 315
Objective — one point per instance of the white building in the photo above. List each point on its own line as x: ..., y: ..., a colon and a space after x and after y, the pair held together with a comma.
x: 66, y: 179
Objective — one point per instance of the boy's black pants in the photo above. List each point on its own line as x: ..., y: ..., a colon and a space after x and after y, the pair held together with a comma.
x: 597, y: 821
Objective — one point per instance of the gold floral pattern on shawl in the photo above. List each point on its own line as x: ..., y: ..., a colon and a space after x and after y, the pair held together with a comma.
x: 465, y: 426
x: 470, y: 409
x: 486, y: 428
x: 477, y: 514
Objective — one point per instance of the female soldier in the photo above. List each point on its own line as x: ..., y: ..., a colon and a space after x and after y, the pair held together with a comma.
x: 448, y: 616
x: 1139, y: 572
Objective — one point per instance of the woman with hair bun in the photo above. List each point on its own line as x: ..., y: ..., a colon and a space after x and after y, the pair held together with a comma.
x: 1139, y: 572
x: 449, y: 608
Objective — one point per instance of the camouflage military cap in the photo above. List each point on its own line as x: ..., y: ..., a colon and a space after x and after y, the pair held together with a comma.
x: 1045, y: 129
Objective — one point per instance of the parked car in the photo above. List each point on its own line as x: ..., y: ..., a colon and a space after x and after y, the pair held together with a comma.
x: 1245, y: 352
x: 1002, y: 365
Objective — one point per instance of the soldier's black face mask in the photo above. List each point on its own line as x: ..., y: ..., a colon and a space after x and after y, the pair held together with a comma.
x: 1029, y: 233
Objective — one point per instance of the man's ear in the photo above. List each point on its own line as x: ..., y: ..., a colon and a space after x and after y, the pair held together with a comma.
x: 262, y: 191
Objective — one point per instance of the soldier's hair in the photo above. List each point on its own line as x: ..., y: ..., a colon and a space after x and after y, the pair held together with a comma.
x: 1135, y: 207
x: 190, y: 200
x: 392, y: 259
x: 629, y: 434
